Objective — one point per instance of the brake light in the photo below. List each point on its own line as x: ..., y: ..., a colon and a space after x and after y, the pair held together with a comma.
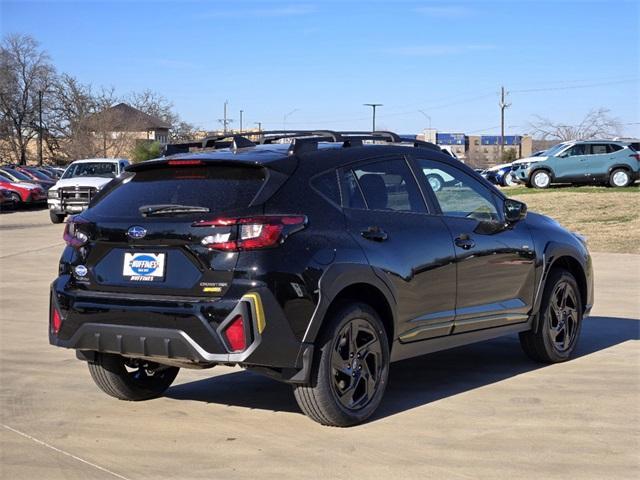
x: 636, y: 156
x: 235, y: 334
x: 72, y: 235
x: 252, y: 233
x: 56, y: 320
x: 184, y: 162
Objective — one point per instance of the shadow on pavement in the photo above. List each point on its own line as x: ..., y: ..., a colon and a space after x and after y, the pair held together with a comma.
x: 413, y: 382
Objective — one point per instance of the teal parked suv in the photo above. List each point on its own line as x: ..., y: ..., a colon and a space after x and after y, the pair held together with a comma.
x: 608, y: 162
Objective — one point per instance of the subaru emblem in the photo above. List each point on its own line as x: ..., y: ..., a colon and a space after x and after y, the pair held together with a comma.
x: 136, y: 232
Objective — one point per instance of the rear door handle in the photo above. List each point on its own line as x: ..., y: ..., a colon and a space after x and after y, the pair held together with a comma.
x: 465, y: 242
x: 375, y: 234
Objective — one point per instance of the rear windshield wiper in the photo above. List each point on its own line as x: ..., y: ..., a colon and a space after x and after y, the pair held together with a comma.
x: 170, y: 209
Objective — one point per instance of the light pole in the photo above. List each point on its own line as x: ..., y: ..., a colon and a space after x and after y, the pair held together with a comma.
x: 427, y: 117
x: 373, y: 106
x: 259, y: 126
x: 241, y: 112
x: 284, y: 118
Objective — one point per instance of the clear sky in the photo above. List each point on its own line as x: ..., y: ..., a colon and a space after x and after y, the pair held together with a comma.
x: 322, y: 60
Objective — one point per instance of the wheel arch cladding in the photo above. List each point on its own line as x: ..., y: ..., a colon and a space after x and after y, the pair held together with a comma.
x: 545, y: 168
x: 574, y: 267
x: 367, y: 294
x: 620, y: 166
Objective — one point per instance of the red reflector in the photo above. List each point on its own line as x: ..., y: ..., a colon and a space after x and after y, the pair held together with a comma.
x: 235, y: 334
x: 56, y: 320
x: 185, y: 162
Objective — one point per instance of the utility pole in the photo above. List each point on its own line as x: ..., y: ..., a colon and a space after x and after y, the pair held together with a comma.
x: 503, y: 106
x: 373, y: 106
x: 428, y: 117
x: 241, y: 112
x: 39, y: 127
x: 225, y: 121
x: 259, y: 126
x: 284, y: 118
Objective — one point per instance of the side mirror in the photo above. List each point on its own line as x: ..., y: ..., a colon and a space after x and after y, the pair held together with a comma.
x: 514, y: 210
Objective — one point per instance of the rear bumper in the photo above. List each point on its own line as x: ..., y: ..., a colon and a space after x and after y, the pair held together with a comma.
x: 183, y: 331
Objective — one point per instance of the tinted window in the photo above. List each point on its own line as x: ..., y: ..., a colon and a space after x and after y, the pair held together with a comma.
x: 599, y: 148
x: 327, y: 185
x: 458, y: 194
x: 389, y: 185
x: 18, y: 175
x: 352, y: 196
x: 221, y: 189
x: 579, y: 149
x: 613, y: 147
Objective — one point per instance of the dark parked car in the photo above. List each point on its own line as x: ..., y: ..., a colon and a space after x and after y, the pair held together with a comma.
x: 316, y: 263
x: 7, y: 199
x: 499, y: 175
x: 17, y: 175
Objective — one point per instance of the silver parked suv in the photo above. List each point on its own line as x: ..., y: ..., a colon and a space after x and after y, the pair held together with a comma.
x: 609, y: 162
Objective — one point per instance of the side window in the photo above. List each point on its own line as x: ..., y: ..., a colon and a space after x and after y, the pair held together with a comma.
x: 458, y: 194
x: 579, y: 149
x: 389, y: 185
x: 598, y: 148
x: 351, y: 194
x: 327, y: 185
x: 613, y: 147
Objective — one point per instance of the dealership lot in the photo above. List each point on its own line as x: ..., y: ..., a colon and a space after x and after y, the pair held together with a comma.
x: 479, y: 411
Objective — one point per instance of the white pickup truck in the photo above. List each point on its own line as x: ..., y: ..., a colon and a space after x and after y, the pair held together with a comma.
x: 79, y: 183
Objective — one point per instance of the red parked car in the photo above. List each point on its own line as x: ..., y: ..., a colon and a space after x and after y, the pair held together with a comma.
x: 22, y: 192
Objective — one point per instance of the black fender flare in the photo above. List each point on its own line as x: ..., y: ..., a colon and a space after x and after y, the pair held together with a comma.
x: 550, y: 255
x: 333, y: 281
x: 549, y: 170
x: 622, y: 166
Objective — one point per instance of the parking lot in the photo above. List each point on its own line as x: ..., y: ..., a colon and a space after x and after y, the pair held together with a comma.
x: 482, y: 411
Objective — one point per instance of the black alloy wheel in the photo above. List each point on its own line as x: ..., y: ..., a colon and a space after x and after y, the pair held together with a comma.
x: 563, y: 316
x: 356, y: 363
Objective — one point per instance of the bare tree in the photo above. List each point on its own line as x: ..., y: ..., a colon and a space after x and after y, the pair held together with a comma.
x: 182, y: 132
x: 153, y: 104
x: 25, y: 70
x: 596, y: 124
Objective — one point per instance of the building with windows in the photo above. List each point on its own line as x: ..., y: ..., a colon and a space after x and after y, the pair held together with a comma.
x: 480, y: 151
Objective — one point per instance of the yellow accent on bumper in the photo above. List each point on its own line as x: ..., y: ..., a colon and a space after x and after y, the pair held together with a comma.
x: 255, y: 299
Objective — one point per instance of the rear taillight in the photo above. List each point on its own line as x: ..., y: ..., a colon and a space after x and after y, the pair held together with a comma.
x: 251, y: 233
x: 636, y: 156
x: 56, y: 320
x: 72, y: 234
x: 235, y: 334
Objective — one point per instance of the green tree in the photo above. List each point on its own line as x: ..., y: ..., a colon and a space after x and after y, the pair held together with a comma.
x: 146, y: 151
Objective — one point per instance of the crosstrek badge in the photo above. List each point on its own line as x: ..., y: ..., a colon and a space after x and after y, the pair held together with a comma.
x: 144, y: 267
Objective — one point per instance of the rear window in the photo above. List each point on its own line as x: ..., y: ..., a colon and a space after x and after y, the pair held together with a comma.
x: 218, y: 188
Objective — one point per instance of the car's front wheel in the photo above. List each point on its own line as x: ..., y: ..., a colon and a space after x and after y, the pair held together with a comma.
x: 350, y: 369
x: 128, y: 379
x: 56, y: 217
x: 559, y: 321
x: 619, y: 178
x: 540, y: 179
x: 507, y: 180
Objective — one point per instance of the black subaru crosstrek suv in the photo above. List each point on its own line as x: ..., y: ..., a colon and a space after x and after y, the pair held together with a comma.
x: 316, y: 258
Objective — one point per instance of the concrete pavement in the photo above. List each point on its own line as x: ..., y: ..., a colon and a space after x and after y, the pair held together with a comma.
x: 482, y: 411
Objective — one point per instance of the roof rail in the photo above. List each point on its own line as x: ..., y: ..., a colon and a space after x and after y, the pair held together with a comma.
x: 301, y: 140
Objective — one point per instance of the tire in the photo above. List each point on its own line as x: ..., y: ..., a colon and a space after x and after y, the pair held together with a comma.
x: 55, y: 217
x: 345, y: 388
x: 436, y: 182
x: 547, y: 343
x: 540, y: 179
x: 619, y: 178
x: 110, y: 374
x: 507, y: 180
x: 17, y: 201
